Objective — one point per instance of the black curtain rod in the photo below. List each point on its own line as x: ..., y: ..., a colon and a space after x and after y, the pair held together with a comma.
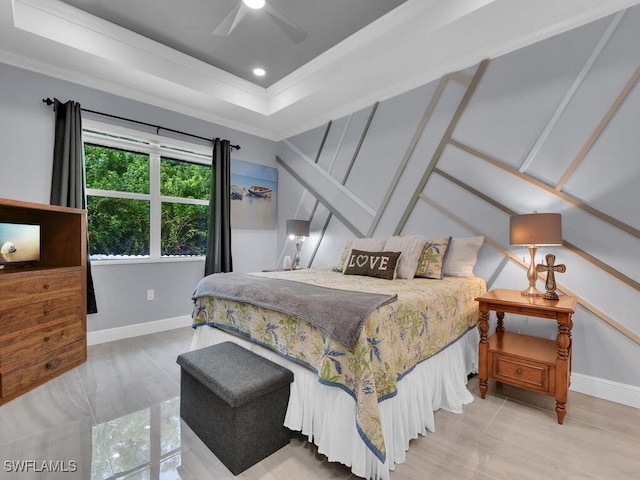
x: 49, y: 102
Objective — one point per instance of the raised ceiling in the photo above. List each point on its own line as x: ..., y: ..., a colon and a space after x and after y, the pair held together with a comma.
x: 356, y: 52
x: 257, y: 40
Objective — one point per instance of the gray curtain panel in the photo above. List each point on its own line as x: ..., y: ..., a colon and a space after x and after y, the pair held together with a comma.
x: 219, y: 232
x: 68, y: 187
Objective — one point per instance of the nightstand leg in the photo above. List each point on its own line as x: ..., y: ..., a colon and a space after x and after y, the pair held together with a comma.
x: 483, y: 353
x: 563, y: 367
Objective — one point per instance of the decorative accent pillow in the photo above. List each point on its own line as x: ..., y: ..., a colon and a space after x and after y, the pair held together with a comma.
x: 410, y: 247
x: 462, y: 256
x: 372, y: 264
x: 338, y: 267
x: 432, y: 258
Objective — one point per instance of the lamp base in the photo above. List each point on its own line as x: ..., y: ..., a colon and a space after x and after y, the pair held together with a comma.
x: 532, y: 291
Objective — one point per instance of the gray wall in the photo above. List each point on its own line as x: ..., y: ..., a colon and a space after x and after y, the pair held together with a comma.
x: 26, y: 140
x: 533, y: 113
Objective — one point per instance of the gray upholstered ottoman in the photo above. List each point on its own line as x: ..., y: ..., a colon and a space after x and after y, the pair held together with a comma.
x: 235, y: 401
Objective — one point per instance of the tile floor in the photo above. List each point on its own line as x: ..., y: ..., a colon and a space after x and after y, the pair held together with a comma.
x: 117, y: 417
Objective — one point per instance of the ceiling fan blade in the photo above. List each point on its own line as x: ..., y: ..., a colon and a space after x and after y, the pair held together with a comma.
x: 231, y: 21
x: 293, y: 31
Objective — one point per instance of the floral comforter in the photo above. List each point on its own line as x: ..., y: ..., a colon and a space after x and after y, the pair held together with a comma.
x: 428, y: 316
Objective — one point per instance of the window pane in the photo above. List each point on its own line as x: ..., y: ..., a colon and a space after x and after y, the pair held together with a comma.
x: 184, y: 179
x: 118, y: 170
x: 184, y: 229
x: 118, y: 226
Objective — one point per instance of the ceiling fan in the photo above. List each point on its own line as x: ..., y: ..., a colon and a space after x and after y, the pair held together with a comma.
x: 293, y: 31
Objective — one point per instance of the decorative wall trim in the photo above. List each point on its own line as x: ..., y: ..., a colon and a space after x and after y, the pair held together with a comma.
x: 459, y: 77
x: 443, y: 143
x: 606, y: 389
x: 600, y: 128
x: 327, y: 204
x: 546, y: 188
x: 360, y: 142
x: 138, y: 329
x: 569, y: 246
x: 581, y: 301
x: 407, y: 156
x: 604, y: 39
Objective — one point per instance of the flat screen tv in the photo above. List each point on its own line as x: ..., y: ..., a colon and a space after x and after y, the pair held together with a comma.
x: 19, y: 243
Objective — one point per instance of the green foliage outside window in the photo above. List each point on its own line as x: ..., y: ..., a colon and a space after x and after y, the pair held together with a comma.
x: 122, y: 226
x: 183, y: 179
x: 118, y: 226
x: 184, y: 229
x: 119, y: 170
x: 184, y: 226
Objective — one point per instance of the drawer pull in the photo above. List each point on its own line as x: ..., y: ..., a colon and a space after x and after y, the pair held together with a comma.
x: 49, y: 366
x: 47, y: 312
x: 47, y: 286
x: 519, y: 371
x: 46, y: 339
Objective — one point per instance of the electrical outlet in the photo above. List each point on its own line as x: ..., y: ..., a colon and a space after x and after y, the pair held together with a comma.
x: 150, y: 294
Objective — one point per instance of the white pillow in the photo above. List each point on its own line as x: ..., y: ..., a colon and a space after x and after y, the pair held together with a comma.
x: 366, y: 244
x: 462, y: 256
x: 410, y: 246
x: 369, y: 244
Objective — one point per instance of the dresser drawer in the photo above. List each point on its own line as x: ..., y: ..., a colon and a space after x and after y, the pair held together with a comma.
x: 22, y: 347
x: 522, y: 372
x: 41, y: 369
x: 19, y: 289
x: 20, y: 318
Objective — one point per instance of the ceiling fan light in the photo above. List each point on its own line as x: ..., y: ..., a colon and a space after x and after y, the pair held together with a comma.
x: 255, y: 4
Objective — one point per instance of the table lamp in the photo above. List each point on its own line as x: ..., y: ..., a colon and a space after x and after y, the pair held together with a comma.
x: 533, y: 230
x: 297, y: 230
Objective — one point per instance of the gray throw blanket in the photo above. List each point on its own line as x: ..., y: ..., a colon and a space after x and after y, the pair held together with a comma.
x: 338, y: 313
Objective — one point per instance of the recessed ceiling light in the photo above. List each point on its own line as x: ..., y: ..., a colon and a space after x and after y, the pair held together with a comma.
x: 255, y: 4
x: 259, y: 72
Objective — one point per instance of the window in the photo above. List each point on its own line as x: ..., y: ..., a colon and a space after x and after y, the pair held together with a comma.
x: 147, y: 196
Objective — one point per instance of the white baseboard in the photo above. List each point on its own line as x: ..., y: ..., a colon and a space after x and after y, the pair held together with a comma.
x: 596, y: 387
x: 606, y: 389
x: 119, y: 333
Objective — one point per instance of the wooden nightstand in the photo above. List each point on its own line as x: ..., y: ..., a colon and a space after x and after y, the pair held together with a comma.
x: 537, y: 364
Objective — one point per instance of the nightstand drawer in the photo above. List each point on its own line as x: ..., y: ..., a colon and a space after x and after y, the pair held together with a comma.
x: 38, y: 371
x: 25, y: 346
x: 522, y: 372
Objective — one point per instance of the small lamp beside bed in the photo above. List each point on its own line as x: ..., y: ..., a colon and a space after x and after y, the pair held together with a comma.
x: 534, y: 230
x: 297, y: 230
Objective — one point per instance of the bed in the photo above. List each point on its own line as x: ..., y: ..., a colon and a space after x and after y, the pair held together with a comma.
x: 361, y: 406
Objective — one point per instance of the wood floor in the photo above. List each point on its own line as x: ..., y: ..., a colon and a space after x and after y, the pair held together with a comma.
x: 117, y: 417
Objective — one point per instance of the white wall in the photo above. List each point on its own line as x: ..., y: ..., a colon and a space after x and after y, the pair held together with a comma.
x: 534, y: 111
x: 26, y: 146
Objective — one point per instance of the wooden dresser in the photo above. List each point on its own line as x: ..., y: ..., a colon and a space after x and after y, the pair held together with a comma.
x: 43, y: 305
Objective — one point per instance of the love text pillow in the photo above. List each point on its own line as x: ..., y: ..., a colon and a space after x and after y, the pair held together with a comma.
x: 372, y: 264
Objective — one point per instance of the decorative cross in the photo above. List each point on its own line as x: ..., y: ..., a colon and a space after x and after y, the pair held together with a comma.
x: 550, y: 268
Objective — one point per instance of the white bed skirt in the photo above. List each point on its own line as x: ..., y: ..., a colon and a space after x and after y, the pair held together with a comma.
x: 326, y: 415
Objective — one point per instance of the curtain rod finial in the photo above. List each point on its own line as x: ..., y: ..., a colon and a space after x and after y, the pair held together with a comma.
x: 48, y: 101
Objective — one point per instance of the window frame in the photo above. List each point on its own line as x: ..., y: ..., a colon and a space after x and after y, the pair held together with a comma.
x: 156, y: 146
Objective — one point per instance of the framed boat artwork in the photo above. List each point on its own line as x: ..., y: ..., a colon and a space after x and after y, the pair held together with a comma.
x: 253, y: 195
